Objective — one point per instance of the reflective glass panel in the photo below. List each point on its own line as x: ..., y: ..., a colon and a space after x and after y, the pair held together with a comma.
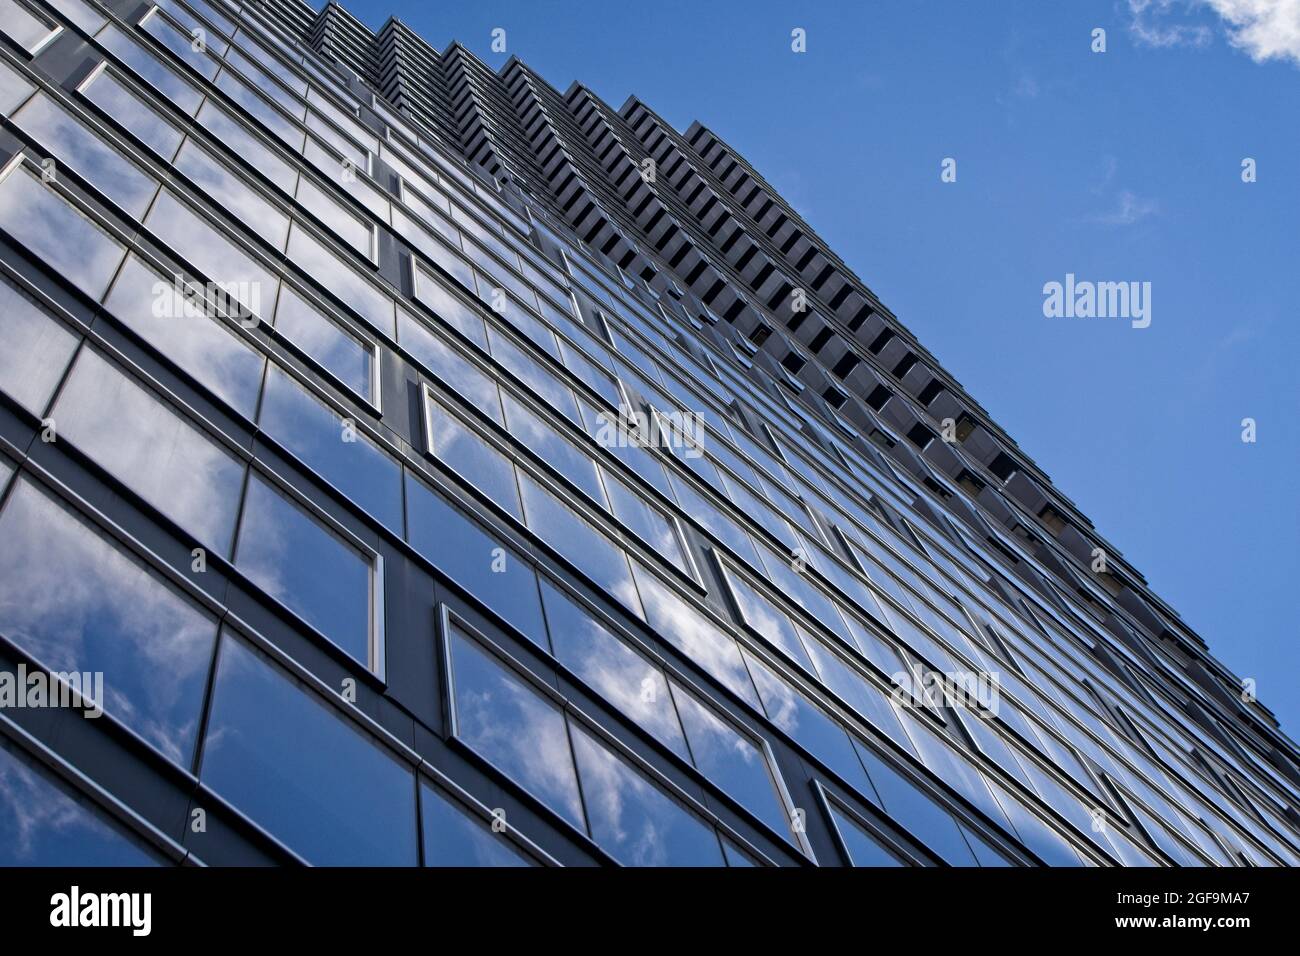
x: 479, y: 563
x: 694, y: 635
x: 545, y: 441
x: 732, y: 761
x: 75, y: 602
x: 59, y: 235
x: 145, y: 65
x: 471, y: 456
x: 305, y: 566
x: 513, y: 727
x: 151, y: 448
x: 112, y: 96
x: 350, y: 227
x: 36, y: 350
x: 457, y: 373
x: 614, y: 670
x: 43, y: 822
x: 219, y: 259
x: 74, y: 144
x: 862, y: 847
x: 208, y: 348
x: 303, y: 771
x: 333, y: 447
x: 346, y: 356
x: 454, y: 838
x: 632, y: 819
x: 579, y: 541
x: 341, y: 279
x: 230, y: 191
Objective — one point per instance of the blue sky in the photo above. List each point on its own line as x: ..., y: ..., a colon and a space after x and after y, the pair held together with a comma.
x: 1115, y: 166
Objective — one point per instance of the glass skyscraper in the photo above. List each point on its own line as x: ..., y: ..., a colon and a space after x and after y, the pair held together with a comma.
x: 420, y: 465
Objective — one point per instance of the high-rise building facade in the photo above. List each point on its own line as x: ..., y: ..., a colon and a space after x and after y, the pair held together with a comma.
x: 417, y: 465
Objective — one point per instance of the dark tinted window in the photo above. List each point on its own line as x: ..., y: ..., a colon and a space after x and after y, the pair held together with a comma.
x: 472, y: 558
x: 453, y: 838
x: 310, y: 569
x: 42, y: 822
x: 303, y: 771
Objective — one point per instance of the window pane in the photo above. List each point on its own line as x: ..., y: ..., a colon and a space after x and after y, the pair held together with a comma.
x: 731, y: 761
x: 79, y: 13
x: 632, y: 819
x: 810, y: 727
x: 308, y: 568
x: 72, y: 142
x: 348, y: 358
x: 331, y: 446
x: 527, y: 369
x: 248, y: 147
x: 606, y: 428
x: 181, y: 44
x: 647, y: 522
x: 155, y: 75
x: 341, y: 279
x: 915, y: 812
x: 189, y: 23
x: 452, y: 310
x: 76, y: 603
x: 147, y: 445
x: 112, y: 96
x: 36, y: 350
x: 955, y: 770
x: 513, y: 727
x: 612, y: 668
x: 476, y: 561
x: 470, y: 456
x: 13, y: 88
x: 218, y: 258
x: 44, y: 823
x: 765, y: 619
x: 714, y: 521
x: 863, y: 848
x: 23, y: 26
x: 347, y: 225
x: 57, y: 233
x: 205, y: 347
x: 233, y: 194
x: 453, y: 838
x: 303, y: 771
x: 694, y: 635
x: 350, y: 150
x: 356, y: 184
x: 435, y: 251
x: 600, y: 381
x: 454, y: 371
x: 584, y: 545
x: 543, y: 440
x: 263, y: 57
x: 1050, y: 847
x: 860, y: 693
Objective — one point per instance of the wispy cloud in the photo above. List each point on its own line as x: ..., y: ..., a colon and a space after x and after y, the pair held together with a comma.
x: 1109, y: 167
x: 1026, y: 87
x: 1129, y: 208
x: 1164, y: 23
x: 1262, y: 29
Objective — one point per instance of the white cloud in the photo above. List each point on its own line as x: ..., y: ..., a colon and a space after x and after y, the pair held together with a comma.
x: 1262, y: 29
x: 1131, y: 208
x: 1157, y: 23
